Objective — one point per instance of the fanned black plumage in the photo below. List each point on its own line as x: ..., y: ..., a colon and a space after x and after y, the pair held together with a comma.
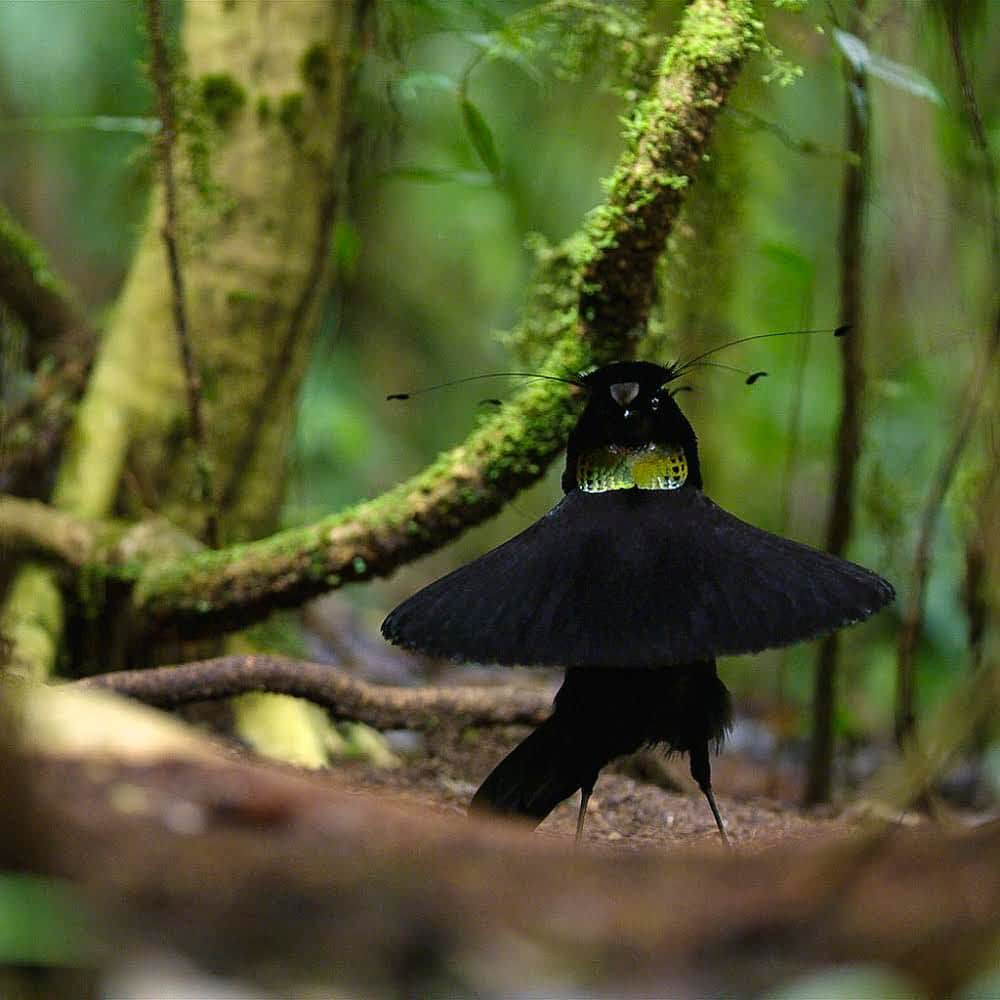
x: 635, y: 581
x: 635, y: 578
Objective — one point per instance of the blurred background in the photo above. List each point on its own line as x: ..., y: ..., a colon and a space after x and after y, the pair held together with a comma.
x: 435, y: 251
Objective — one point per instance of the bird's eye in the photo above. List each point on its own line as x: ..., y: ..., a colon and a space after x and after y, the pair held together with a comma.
x: 654, y: 403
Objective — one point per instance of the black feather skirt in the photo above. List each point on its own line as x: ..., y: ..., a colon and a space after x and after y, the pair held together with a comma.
x: 635, y: 578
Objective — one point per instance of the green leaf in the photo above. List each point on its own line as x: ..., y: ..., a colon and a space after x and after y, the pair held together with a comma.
x: 410, y: 85
x: 433, y: 175
x: 903, y: 77
x: 502, y: 51
x: 481, y: 137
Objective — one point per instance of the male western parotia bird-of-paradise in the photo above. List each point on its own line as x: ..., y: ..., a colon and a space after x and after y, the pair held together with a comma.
x: 634, y: 582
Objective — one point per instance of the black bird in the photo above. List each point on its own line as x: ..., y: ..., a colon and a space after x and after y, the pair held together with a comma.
x: 635, y: 581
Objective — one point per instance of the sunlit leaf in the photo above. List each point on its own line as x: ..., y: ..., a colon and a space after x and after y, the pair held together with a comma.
x: 905, y: 78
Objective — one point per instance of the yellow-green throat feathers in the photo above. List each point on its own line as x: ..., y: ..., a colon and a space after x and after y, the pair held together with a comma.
x: 617, y: 467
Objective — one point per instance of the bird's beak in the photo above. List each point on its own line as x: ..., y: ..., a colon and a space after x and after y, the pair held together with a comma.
x: 624, y: 392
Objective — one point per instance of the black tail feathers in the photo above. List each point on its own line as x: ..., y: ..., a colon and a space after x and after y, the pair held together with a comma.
x: 537, y: 774
x: 601, y: 714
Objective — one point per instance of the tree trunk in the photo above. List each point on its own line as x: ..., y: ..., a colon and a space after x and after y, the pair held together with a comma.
x: 266, y: 88
x: 261, y: 95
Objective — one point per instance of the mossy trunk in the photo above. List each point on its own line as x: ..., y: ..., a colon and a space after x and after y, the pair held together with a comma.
x: 261, y: 100
x: 265, y: 92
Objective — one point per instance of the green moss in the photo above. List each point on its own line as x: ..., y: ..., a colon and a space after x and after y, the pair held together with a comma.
x: 222, y: 97
x: 316, y: 68
x: 263, y: 109
x: 17, y: 244
x: 714, y: 34
x: 241, y: 297
x: 291, y: 111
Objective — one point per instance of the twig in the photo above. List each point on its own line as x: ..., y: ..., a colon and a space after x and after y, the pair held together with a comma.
x: 378, y: 705
x: 793, y: 434
x: 849, y: 431
x: 807, y: 147
x: 167, y: 136
x: 978, y: 606
x: 984, y: 370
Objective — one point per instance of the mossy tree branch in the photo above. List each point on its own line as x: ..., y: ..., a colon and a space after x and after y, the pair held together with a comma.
x: 60, y: 350
x: 667, y: 137
x: 32, y: 526
x: 667, y: 134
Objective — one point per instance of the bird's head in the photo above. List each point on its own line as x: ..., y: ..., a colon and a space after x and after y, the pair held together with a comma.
x: 631, y: 433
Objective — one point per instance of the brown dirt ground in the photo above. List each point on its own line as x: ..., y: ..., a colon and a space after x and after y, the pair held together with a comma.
x: 625, y: 813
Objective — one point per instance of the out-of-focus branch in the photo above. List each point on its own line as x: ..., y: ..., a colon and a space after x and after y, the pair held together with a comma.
x: 32, y: 526
x: 852, y: 380
x: 60, y: 349
x: 401, y: 901
x: 667, y: 136
x: 378, y: 705
x: 983, y: 372
x: 215, y: 591
x: 162, y: 76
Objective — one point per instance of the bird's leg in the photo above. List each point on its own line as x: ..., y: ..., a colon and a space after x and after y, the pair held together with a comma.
x: 701, y: 771
x: 581, y: 818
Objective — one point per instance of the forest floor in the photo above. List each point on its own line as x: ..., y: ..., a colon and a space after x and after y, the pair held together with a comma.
x: 372, y: 878
x: 647, y: 801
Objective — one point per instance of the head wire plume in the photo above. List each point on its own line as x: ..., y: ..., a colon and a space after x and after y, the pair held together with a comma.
x: 476, y: 378
x: 698, y: 361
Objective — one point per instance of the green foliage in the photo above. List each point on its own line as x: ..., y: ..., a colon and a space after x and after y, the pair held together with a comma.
x: 552, y: 305
x: 481, y: 137
x: 345, y: 248
x: 610, y: 42
x: 17, y: 244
